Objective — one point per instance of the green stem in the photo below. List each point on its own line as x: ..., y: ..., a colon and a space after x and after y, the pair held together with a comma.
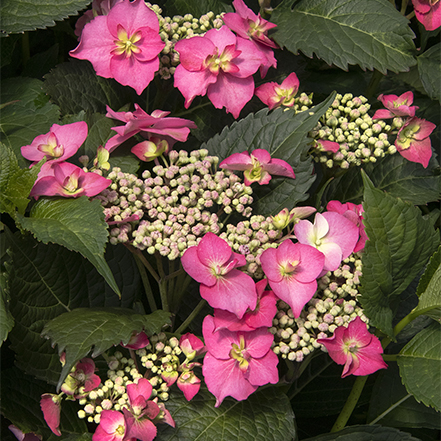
x: 390, y: 357
x: 146, y: 283
x: 191, y: 317
x: 411, y: 15
x: 145, y: 262
x: 390, y: 409
x: 404, y: 6
x: 185, y: 112
x: 350, y: 404
x: 400, y: 326
x: 162, y: 282
x: 373, y: 84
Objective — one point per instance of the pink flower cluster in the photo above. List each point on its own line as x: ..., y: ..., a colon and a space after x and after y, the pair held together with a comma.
x: 58, y: 177
x: 413, y: 141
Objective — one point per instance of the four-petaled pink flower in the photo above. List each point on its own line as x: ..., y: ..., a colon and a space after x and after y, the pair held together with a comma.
x: 82, y: 379
x: 51, y: 407
x: 189, y: 384
x: 60, y: 143
x: 355, y: 348
x: 212, y: 263
x: 332, y: 234
x: 396, y: 106
x: 275, y: 95
x: 237, y: 362
x: 413, y: 141
x: 170, y: 129
x: 123, y: 45
x: 257, y: 166
x: 112, y: 427
x: 149, y: 150
x: 250, y: 26
x: 355, y: 214
x: 68, y: 180
x: 292, y: 270
x: 191, y: 346
x: 428, y: 13
x: 220, y: 65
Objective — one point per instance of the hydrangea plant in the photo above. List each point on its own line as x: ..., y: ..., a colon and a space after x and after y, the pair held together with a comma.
x: 205, y: 212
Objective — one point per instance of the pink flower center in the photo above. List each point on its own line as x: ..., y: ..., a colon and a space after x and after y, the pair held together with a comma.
x: 52, y: 150
x: 287, y: 269
x: 223, y: 61
x: 125, y: 44
x: 238, y: 352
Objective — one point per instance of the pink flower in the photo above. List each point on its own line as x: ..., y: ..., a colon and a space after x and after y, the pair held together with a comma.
x: 60, y: 143
x: 257, y: 166
x: 112, y: 427
x: 237, y: 362
x: 82, y: 379
x: 220, y: 65
x: 123, y: 45
x: 212, y: 263
x: 282, y: 219
x: 191, y: 346
x: 189, y: 384
x: 428, y: 13
x: 68, y: 180
x: 261, y: 316
x: 170, y: 129
x: 327, y: 146
x: 292, y: 270
x: 355, y: 214
x: 274, y: 95
x: 137, y: 341
x: 356, y: 348
x: 248, y: 25
x: 51, y: 406
x: 149, y: 150
x: 332, y: 234
x: 396, y: 106
x: 413, y: 141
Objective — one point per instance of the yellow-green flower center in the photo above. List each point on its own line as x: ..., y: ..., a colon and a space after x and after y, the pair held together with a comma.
x: 238, y: 353
x: 125, y: 44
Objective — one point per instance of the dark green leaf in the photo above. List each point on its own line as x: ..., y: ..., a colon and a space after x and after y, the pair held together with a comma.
x: 365, y: 433
x: 77, y: 331
x: 429, y: 68
x: 28, y: 116
x: 285, y: 136
x: 21, y: 405
x: 77, y: 224
x: 396, y: 407
x: 265, y: 416
x: 372, y: 33
x: 396, y: 175
x: 48, y: 280
x: 6, y: 319
x: 99, y: 132
x: 196, y: 8
x: 41, y: 63
x: 20, y: 15
x: 419, y: 363
x: 74, y: 86
x: 400, y: 243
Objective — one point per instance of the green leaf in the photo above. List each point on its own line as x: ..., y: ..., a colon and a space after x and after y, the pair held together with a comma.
x: 20, y: 15
x: 400, y: 243
x: 419, y: 363
x: 285, y: 136
x: 74, y: 86
x: 99, y: 133
x: 265, y: 416
x: 6, y: 319
x: 395, y: 406
x: 429, y: 289
x: 395, y: 175
x: 429, y: 68
x: 21, y: 405
x: 42, y: 62
x: 15, y: 183
x: 77, y: 331
x: 29, y: 115
x: 48, y: 280
x: 371, y: 34
x: 196, y: 8
x: 77, y: 224
x: 365, y: 433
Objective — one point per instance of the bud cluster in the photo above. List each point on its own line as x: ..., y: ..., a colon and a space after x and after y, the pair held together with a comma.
x: 173, y: 29
x: 334, y: 304
x: 251, y: 238
x: 348, y: 123
x: 172, y: 207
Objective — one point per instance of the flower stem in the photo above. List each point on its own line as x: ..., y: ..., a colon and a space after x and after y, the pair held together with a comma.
x: 400, y: 326
x: 191, y: 317
x: 162, y: 282
x: 390, y: 409
x: 350, y: 404
x: 146, y: 283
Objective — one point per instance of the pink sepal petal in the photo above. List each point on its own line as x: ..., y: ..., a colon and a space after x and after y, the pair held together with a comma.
x: 212, y: 250
x: 196, y: 269
x: 110, y: 421
x: 51, y: 408
x: 194, y: 51
x: 140, y: 429
x: 221, y: 38
x: 263, y: 370
x: 383, y: 114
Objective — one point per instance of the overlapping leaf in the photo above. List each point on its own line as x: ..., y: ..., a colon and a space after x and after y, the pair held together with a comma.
x: 22, y: 15
x: 265, y: 416
x: 400, y: 243
x: 77, y: 332
x: 419, y: 363
x: 429, y: 68
x: 285, y: 136
x: 365, y: 433
x: 371, y: 34
x: 77, y: 224
x: 48, y: 280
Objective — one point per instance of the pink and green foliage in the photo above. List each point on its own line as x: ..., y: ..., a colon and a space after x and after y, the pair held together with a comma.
x: 123, y: 45
x: 356, y: 348
x: 237, y: 363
